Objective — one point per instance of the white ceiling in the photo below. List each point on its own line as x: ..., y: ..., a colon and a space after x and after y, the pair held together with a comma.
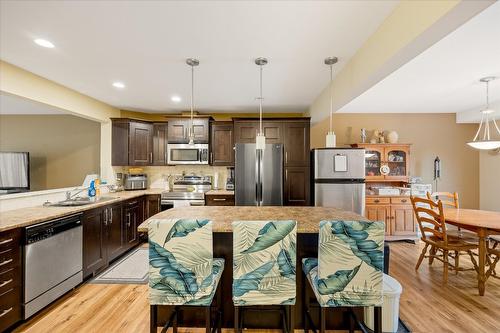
x: 145, y: 43
x: 445, y: 77
x: 15, y: 105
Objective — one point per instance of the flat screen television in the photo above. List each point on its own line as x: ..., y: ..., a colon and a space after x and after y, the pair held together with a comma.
x: 14, y: 171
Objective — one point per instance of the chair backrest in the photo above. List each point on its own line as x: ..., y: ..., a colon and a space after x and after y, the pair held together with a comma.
x: 430, y: 217
x: 447, y: 198
x: 351, y: 262
x: 264, y: 262
x: 180, y: 259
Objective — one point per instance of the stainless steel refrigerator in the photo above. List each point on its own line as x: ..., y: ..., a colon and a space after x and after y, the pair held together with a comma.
x: 339, y: 178
x: 258, y: 175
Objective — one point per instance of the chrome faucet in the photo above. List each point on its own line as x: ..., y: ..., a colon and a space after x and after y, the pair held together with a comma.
x: 70, y: 195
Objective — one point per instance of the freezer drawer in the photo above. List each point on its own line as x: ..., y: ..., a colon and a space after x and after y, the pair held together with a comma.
x: 349, y: 197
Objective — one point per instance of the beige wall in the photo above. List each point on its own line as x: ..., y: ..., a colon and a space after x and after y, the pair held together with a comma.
x: 63, y: 148
x: 431, y: 135
x: 489, y: 174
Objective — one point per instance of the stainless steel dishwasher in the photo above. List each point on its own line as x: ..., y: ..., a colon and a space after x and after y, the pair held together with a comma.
x: 52, y: 261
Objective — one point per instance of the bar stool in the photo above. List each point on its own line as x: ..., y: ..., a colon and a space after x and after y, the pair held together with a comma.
x: 264, y: 269
x: 348, y: 271
x: 182, y: 270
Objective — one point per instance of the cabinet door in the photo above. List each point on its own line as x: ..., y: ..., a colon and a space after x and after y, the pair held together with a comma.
x: 160, y: 144
x: 119, y: 142
x: 94, y: 242
x: 402, y: 220
x: 134, y: 215
x: 297, y: 147
x: 141, y: 143
x: 379, y: 213
x: 222, y: 153
x: 200, y: 130
x: 177, y: 131
x: 152, y: 205
x: 245, y: 131
x: 398, y: 160
x: 374, y: 158
x: 273, y: 130
x: 297, y: 186
x: 116, y: 231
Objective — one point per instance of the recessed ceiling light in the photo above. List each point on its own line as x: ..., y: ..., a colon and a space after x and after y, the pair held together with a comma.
x: 119, y: 85
x: 44, y: 43
x: 175, y: 99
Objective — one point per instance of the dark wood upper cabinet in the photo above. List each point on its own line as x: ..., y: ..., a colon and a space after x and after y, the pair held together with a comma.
x: 132, y: 142
x: 222, y: 143
x: 141, y: 143
x: 160, y: 143
x: 297, y: 146
x: 297, y: 186
x: 178, y: 130
x: 245, y: 131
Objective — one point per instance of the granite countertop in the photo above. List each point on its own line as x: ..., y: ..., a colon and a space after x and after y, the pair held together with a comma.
x: 220, y: 192
x: 307, y: 218
x: 32, y: 215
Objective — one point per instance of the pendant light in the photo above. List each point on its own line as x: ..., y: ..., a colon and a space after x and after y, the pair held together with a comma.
x: 484, y: 141
x: 192, y: 62
x: 260, y: 142
x: 330, y: 136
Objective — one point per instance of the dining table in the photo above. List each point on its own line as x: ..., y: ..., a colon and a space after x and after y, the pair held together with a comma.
x: 484, y: 223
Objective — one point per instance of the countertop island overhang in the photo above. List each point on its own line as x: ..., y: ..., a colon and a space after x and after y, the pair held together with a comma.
x: 307, y: 218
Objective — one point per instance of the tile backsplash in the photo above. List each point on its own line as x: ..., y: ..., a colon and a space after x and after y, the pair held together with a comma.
x: 157, y: 175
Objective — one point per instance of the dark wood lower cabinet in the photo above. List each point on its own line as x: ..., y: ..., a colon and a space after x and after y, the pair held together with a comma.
x: 10, y: 278
x: 109, y: 232
x: 133, y: 215
x: 152, y: 205
x: 116, y: 231
x: 297, y: 186
x: 94, y: 241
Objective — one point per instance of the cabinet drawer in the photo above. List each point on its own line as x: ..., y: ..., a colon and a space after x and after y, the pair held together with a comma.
x: 9, y: 258
x: 401, y: 201
x: 9, y: 279
x: 374, y: 201
x: 10, y: 308
x: 10, y: 239
x: 219, y: 200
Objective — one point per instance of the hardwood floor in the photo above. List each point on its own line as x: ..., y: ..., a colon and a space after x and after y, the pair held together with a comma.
x: 425, y: 306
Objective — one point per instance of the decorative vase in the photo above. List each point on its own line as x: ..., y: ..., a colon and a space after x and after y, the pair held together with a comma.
x: 392, y: 137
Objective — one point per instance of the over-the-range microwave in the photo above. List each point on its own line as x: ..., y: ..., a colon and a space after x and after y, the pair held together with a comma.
x: 182, y: 153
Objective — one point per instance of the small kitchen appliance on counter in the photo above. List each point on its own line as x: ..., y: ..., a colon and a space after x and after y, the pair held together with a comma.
x: 230, y: 180
x: 135, y: 182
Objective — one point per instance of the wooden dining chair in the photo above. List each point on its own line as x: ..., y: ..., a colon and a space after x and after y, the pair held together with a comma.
x: 431, y: 221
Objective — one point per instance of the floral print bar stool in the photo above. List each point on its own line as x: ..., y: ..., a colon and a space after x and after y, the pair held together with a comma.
x: 264, y: 268
x: 348, y: 271
x: 182, y: 270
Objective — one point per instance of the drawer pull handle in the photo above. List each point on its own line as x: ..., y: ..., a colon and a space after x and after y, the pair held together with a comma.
x: 404, y: 200
x: 132, y: 203
x: 4, y: 283
x: 376, y: 200
x: 4, y: 312
x: 5, y: 262
x: 218, y: 199
x: 6, y: 241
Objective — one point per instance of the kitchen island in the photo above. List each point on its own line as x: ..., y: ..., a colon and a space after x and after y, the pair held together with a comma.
x: 307, y: 218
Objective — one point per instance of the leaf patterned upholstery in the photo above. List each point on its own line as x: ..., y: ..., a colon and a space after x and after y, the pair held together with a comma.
x: 349, y: 267
x: 264, y: 262
x: 182, y: 270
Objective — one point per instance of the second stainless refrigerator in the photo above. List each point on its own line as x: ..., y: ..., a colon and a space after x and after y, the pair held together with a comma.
x: 258, y: 175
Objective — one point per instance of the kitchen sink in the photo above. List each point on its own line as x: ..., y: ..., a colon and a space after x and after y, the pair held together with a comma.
x: 79, y: 202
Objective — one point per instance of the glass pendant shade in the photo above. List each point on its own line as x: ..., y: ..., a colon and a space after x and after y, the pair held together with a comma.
x: 483, y: 139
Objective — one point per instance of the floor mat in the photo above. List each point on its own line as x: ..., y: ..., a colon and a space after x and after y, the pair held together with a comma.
x: 131, y: 269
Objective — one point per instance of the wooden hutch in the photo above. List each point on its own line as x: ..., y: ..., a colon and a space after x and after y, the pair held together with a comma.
x: 395, y: 210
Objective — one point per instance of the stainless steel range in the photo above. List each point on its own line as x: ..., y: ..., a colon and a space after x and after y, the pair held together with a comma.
x: 188, y: 190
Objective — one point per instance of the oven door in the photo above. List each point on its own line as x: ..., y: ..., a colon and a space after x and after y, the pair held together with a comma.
x: 168, y: 204
x: 187, y: 154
